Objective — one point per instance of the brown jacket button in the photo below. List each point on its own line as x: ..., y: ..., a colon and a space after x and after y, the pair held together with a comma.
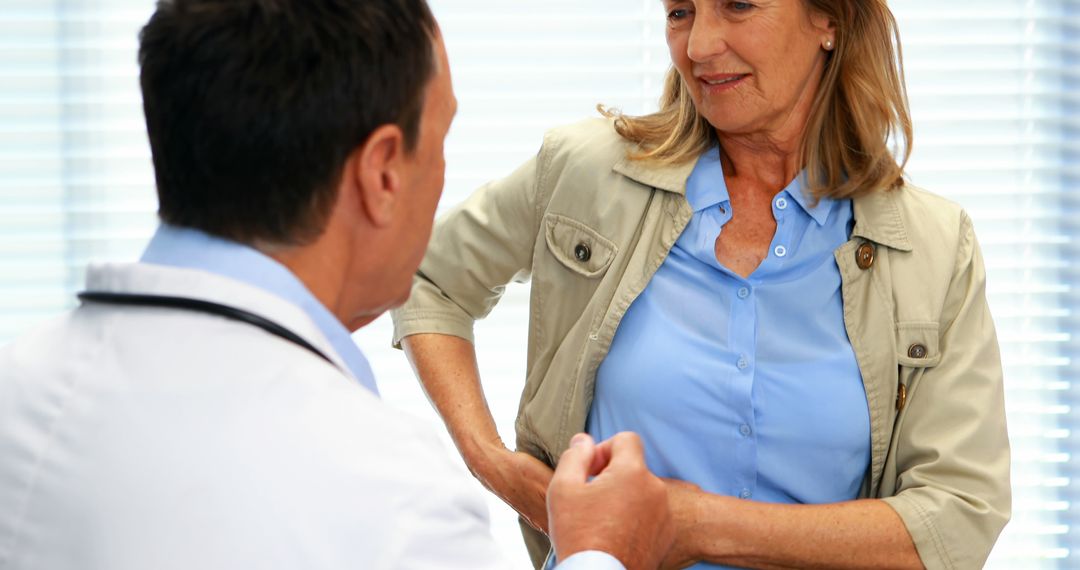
x: 864, y: 256
x: 901, y: 397
x: 916, y: 351
x: 582, y: 252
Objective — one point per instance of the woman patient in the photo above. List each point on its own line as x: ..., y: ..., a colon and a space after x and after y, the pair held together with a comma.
x: 745, y: 279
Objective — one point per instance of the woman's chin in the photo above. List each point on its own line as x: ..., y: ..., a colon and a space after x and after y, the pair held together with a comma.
x: 726, y: 126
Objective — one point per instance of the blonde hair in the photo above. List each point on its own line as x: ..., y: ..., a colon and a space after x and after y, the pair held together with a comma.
x: 860, y: 105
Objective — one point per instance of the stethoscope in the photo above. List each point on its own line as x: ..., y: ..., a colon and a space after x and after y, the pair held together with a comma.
x: 200, y: 306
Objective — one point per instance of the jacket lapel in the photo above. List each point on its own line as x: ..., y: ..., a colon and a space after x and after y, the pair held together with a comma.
x: 869, y: 314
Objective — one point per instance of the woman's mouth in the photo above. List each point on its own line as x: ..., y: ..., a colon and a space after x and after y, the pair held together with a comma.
x: 722, y: 82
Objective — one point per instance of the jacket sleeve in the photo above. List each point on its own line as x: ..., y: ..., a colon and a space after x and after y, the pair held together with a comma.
x: 476, y: 249
x: 953, y: 491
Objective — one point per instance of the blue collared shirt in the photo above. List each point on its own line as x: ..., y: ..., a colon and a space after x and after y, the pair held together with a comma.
x: 193, y: 249
x: 745, y: 387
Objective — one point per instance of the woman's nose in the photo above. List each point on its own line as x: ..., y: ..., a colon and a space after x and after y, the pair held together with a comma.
x: 708, y: 37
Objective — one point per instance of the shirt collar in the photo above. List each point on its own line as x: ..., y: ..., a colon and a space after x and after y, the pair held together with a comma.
x: 706, y: 187
x: 877, y: 213
x: 821, y: 210
x: 193, y: 249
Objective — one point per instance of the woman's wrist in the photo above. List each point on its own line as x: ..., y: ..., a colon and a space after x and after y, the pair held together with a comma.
x: 518, y: 479
x: 713, y: 534
x: 704, y: 524
x: 482, y: 455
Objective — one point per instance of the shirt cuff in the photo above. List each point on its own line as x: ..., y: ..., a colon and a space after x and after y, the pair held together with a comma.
x: 591, y: 560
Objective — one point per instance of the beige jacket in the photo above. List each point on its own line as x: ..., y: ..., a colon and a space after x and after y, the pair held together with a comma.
x: 591, y: 228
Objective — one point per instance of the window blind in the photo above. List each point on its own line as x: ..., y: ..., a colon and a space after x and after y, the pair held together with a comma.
x: 995, y: 93
x: 76, y: 182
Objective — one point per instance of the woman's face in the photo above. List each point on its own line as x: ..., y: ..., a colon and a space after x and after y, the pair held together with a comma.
x: 751, y: 67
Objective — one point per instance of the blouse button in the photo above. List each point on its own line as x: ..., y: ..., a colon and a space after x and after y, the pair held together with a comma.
x: 582, y: 252
x: 864, y: 256
x: 901, y: 397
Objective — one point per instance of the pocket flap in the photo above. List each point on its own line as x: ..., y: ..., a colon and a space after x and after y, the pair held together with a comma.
x: 917, y: 344
x: 578, y: 246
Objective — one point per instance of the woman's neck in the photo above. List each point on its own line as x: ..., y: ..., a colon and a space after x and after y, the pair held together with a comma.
x: 770, y: 155
x: 761, y: 161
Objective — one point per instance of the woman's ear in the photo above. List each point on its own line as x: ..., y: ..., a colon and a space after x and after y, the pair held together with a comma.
x: 824, y: 26
x: 379, y: 174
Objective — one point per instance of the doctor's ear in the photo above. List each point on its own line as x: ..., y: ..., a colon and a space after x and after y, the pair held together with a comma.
x: 378, y: 171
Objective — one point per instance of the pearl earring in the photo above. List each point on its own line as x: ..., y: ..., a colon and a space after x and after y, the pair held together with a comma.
x: 828, y: 44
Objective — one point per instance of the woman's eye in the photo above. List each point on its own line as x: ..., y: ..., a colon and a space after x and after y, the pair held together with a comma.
x: 740, y: 6
x: 677, y: 14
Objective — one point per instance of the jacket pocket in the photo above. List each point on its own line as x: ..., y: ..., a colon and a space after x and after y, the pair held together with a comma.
x: 916, y: 352
x: 917, y: 344
x: 577, y: 246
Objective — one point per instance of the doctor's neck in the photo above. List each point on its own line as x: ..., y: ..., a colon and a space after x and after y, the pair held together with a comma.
x: 352, y: 266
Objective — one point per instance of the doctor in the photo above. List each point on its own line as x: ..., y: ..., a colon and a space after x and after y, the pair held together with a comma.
x: 206, y: 408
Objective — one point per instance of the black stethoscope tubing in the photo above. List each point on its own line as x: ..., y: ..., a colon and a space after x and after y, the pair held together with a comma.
x: 200, y: 306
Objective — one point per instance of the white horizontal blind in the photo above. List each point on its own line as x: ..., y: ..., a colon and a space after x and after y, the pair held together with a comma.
x: 75, y: 177
x: 520, y: 68
x: 995, y: 88
x: 993, y: 92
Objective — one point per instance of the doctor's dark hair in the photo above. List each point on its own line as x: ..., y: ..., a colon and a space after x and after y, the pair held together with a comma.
x: 253, y: 106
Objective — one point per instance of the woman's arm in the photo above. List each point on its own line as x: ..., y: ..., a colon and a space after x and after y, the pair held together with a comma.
x: 725, y: 530
x: 476, y: 249
x: 446, y: 366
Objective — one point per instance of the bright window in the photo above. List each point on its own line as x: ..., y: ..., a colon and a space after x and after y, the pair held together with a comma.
x: 995, y: 91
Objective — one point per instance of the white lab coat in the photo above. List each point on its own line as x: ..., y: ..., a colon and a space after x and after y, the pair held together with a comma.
x: 156, y: 439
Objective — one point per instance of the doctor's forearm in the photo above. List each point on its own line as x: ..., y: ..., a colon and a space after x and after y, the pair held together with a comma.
x: 855, y: 534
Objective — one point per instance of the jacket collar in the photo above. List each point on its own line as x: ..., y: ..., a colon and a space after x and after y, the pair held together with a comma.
x: 671, y: 178
x: 879, y: 219
x: 877, y: 215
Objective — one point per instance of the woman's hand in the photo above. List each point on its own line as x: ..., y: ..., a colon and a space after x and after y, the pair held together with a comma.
x: 517, y: 478
x: 684, y: 499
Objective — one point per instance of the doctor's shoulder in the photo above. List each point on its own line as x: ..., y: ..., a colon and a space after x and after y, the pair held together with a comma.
x: 335, y: 422
x: 353, y: 461
x: 50, y: 344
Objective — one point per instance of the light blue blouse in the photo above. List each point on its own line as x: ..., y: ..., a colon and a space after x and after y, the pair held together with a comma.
x: 745, y: 387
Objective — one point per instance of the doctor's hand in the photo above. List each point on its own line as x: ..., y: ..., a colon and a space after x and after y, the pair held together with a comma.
x: 623, y: 510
